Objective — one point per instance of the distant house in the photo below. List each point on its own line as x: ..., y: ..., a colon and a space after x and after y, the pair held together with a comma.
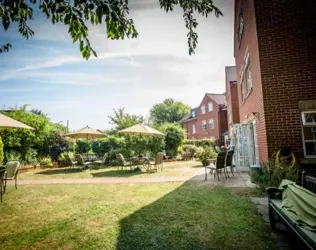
x: 208, y: 120
x: 274, y: 49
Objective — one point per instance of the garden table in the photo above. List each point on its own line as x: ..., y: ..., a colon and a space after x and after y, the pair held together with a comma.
x: 140, y: 161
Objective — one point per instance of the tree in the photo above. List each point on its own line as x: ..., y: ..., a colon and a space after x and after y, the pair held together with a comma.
x: 122, y: 120
x: 168, y: 111
x: 76, y: 14
x: 174, y: 137
x: 1, y: 150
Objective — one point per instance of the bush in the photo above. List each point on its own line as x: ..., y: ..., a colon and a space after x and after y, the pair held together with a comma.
x: 271, y: 175
x: 83, y: 146
x: 12, y: 155
x: 1, y: 151
x: 46, y: 162
x: 31, y: 156
x: 58, y: 144
x: 200, y: 142
x: 204, y: 154
x: 174, y: 136
x: 188, y: 151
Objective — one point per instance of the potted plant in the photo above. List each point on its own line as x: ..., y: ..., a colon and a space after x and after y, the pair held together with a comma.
x: 205, y: 155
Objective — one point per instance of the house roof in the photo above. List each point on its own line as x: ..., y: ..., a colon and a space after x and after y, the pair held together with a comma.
x: 231, y: 75
x: 189, y: 116
x: 218, y: 98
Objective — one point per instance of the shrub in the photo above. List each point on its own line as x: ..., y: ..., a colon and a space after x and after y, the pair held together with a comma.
x: 31, y: 156
x: 204, y: 154
x: 12, y: 155
x: 271, y: 175
x: 46, y: 162
x: 1, y: 151
x: 200, y: 142
x: 188, y: 151
x: 82, y: 146
x: 174, y: 136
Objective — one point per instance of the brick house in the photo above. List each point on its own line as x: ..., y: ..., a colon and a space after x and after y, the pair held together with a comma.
x: 275, y: 55
x: 231, y: 97
x: 208, y: 120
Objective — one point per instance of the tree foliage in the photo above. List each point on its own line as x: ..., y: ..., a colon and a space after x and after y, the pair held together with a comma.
x: 174, y: 136
x: 120, y: 119
x: 76, y: 14
x: 168, y: 111
x: 1, y: 150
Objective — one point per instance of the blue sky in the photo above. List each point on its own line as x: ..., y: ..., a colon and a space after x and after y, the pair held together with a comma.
x: 48, y: 73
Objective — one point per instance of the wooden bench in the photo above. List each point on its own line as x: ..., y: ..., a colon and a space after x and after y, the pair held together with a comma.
x: 277, y: 213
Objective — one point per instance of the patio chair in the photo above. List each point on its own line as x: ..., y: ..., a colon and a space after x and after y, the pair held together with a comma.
x: 229, y: 162
x: 81, y: 162
x: 101, y: 162
x: 158, y: 162
x: 2, y: 173
x: 71, y: 161
x: 12, y: 170
x: 123, y: 163
x: 219, y: 165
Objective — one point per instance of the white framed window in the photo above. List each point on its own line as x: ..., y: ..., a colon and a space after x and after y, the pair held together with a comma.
x: 309, y: 133
x: 203, y: 125
x: 243, y: 89
x: 193, y: 114
x: 210, y: 107
x: 193, y: 129
x: 248, y: 73
x: 211, y: 123
x: 309, y: 118
x: 203, y: 109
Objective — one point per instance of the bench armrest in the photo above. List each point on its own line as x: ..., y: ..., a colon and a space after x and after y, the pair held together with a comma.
x: 274, y: 193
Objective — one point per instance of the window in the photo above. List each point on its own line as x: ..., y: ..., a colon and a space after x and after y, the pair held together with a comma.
x: 203, y: 125
x: 203, y: 109
x: 193, y: 129
x: 243, y: 89
x: 248, y: 73
x: 210, y: 107
x: 309, y: 133
x: 240, y: 25
x: 211, y: 123
x: 193, y: 114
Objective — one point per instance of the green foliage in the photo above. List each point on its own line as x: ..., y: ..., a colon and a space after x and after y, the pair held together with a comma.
x: 174, y: 136
x: 204, y: 154
x: 1, y: 151
x: 168, y: 111
x: 120, y: 119
x: 271, y: 175
x: 78, y: 14
x: 12, y: 155
x: 188, y: 151
x: 83, y: 146
x: 31, y: 156
x: 200, y: 142
x: 45, y: 162
x: 42, y: 138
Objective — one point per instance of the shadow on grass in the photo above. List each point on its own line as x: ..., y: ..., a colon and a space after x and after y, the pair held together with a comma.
x: 116, y: 173
x: 196, y: 216
x: 60, y: 171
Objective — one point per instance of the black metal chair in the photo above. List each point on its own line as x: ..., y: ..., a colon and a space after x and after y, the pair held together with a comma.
x: 2, y: 173
x: 219, y: 165
x: 229, y: 162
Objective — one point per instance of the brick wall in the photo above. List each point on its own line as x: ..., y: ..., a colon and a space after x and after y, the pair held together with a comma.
x: 286, y: 32
x: 215, y: 115
x: 223, y: 125
x: 234, y: 102
x: 253, y: 104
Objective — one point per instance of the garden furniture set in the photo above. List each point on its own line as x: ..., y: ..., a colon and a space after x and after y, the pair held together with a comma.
x: 8, y: 172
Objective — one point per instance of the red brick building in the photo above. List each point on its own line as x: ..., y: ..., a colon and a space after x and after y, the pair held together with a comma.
x: 208, y: 120
x: 275, y: 54
x: 231, y: 97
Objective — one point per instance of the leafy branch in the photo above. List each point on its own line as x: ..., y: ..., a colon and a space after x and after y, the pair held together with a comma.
x: 113, y: 13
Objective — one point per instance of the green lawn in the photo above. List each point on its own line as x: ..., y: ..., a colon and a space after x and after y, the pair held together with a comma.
x: 131, y: 216
x: 179, y: 168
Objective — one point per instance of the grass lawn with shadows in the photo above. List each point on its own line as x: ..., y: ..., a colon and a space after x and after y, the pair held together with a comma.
x: 179, y: 168
x: 187, y: 215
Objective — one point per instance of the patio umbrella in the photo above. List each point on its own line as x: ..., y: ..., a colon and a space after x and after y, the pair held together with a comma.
x: 141, y: 129
x: 7, y: 122
x: 85, y: 133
